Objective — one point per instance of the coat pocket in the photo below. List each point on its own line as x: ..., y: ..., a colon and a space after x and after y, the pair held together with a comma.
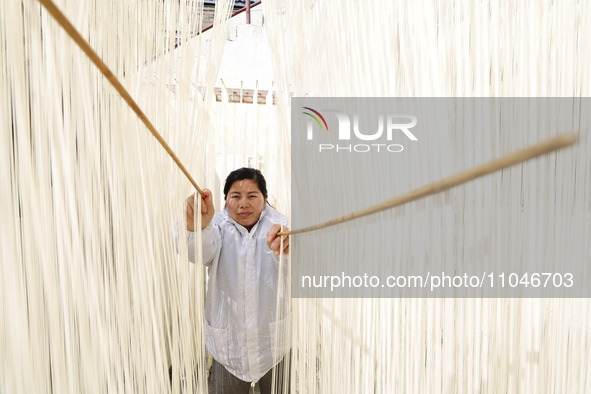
x: 216, y: 341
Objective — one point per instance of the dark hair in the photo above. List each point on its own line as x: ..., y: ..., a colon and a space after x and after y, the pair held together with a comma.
x: 246, y: 173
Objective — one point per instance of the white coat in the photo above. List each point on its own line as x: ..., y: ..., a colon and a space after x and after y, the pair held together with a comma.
x: 241, y: 300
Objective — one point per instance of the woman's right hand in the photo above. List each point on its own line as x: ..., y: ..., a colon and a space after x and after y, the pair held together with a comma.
x: 207, y: 210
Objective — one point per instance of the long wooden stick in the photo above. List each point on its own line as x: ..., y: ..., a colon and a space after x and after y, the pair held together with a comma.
x: 94, y: 57
x: 539, y: 149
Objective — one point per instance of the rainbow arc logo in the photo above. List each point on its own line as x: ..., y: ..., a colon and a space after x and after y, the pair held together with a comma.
x: 315, y: 118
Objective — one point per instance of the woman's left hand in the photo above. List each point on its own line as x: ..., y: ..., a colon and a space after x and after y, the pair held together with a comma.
x: 274, y: 241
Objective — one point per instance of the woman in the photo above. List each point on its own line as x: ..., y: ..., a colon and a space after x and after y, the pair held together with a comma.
x: 241, y: 249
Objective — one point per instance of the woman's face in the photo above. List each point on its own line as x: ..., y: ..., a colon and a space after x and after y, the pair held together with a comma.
x: 245, y: 202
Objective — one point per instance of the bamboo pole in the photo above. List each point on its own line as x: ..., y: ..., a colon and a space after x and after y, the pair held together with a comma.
x: 94, y: 57
x: 509, y: 160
